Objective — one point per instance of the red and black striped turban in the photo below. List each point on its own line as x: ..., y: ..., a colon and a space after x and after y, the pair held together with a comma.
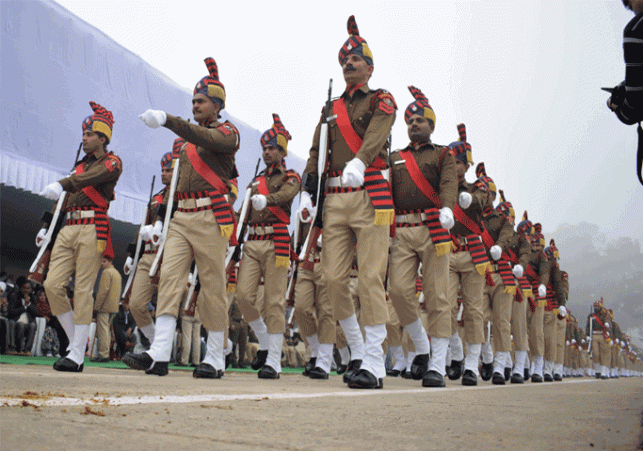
x: 551, y: 251
x: 210, y: 86
x: 166, y: 161
x: 355, y: 44
x: 277, y: 135
x: 525, y: 226
x: 506, y: 208
x: 461, y: 148
x: 420, y: 106
x: 176, y: 147
x: 102, y: 121
x: 538, y: 236
x: 484, y: 182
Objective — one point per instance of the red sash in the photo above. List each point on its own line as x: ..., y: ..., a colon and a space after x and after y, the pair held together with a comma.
x: 600, y: 323
x: 348, y: 132
x: 101, y: 221
x: 281, y: 238
x: 221, y: 207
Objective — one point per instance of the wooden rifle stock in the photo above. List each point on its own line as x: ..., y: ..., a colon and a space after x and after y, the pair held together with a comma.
x: 156, y: 264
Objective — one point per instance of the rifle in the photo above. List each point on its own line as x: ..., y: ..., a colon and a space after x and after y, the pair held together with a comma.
x: 233, y: 257
x: 40, y: 265
x: 310, y: 244
x: 127, y: 291
x: 292, y: 282
x: 193, y: 294
x: 591, y: 330
x: 166, y: 222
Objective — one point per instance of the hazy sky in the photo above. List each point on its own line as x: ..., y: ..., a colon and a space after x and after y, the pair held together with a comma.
x: 524, y: 76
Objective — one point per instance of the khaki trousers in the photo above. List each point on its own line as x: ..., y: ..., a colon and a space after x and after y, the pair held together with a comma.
x: 191, y: 339
x: 497, y: 305
x: 549, y: 335
x: 601, y: 353
x: 74, y: 252
x: 103, y: 333
x: 393, y: 328
x: 561, y: 328
x: 615, y: 353
x: 463, y: 275
x: 519, y: 324
x: 195, y: 236
x: 349, y: 222
x: 411, y: 246
x: 535, y: 330
x: 313, y: 309
x: 142, y: 291
x: 259, y: 260
x: 339, y: 333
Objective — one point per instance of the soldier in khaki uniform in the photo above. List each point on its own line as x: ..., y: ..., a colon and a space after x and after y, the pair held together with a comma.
x: 358, y: 209
x: 200, y: 228
x: 142, y: 290
x: 85, y: 238
x: 424, y: 185
x: 561, y: 325
x: 537, y: 272
x: 598, y: 330
x: 106, y: 307
x: 267, y: 250
x: 554, y: 310
x: 469, y: 262
x: 500, y: 292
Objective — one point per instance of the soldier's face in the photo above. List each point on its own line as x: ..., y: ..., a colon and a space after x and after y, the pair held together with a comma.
x: 203, y: 108
x: 92, y: 142
x: 272, y: 155
x: 166, y: 176
x: 419, y: 128
x: 356, y: 69
x: 461, y: 168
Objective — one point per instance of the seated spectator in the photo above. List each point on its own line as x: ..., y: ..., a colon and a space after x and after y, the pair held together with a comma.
x: 238, y: 334
x: 23, y: 311
x: 54, y: 340
x: 124, y: 335
x: 4, y: 321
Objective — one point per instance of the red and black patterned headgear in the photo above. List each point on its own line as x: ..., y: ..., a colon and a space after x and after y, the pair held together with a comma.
x: 538, y: 236
x: 210, y: 86
x: 176, y: 147
x: 461, y: 149
x: 420, y: 106
x: 525, y: 226
x: 277, y: 135
x: 484, y: 182
x: 506, y: 208
x: 166, y: 161
x: 355, y: 44
x: 551, y: 251
x: 102, y: 121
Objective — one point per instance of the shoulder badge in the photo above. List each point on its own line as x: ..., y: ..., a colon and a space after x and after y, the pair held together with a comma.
x: 112, y: 161
x: 293, y: 178
x: 386, y: 102
x: 227, y: 128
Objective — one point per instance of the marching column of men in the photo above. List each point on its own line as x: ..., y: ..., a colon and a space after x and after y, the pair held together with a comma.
x: 408, y: 213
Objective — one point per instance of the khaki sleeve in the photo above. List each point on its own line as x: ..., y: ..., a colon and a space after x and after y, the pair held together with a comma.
x: 286, y: 193
x: 108, y: 170
x: 212, y: 139
x: 506, y: 235
x: 376, y: 135
x: 544, y: 268
x: 524, y: 251
x: 448, y: 181
x: 103, y: 290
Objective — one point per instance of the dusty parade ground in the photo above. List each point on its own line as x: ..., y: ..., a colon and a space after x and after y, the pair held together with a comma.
x: 116, y: 409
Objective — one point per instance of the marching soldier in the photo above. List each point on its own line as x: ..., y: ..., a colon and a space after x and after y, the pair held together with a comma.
x: 106, y: 307
x: 142, y: 290
x: 358, y: 208
x: 424, y: 185
x: 200, y: 229
x: 537, y: 272
x: 267, y: 250
x: 85, y: 237
x: 554, y: 310
x: 561, y: 324
x: 469, y: 262
x: 598, y: 331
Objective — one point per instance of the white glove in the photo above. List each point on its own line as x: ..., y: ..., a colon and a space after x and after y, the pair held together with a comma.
x: 562, y: 311
x: 617, y: 341
x: 446, y: 218
x: 495, y: 251
x: 153, y: 118
x: 518, y: 270
x: 465, y: 200
x: 52, y: 191
x: 40, y: 238
x: 319, y: 241
x: 607, y: 325
x: 259, y: 201
x: 306, y: 203
x: 146, y: 232
x: 191, y: 279
x: 353, y: 174
x: 542, y: 291
x: 584, y: 341
x: 567, y: 343
x: 156, y: 232
x: 127, y: 268
x: 573, y: 341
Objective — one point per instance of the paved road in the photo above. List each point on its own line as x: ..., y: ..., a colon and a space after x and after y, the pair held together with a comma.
x: 108, y: 409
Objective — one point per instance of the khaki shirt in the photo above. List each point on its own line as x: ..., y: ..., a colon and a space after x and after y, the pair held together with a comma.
x: 538, y: 261
x: 283, y: 186
x: 109, y: 291
x: 556, y: 281
x: 102, y: 170
x: 520, y: 246
x: 443, y: 178
x: 474, y: 212
x: 500, y: 229
x: 216, y: 144
x: 373, y: 126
